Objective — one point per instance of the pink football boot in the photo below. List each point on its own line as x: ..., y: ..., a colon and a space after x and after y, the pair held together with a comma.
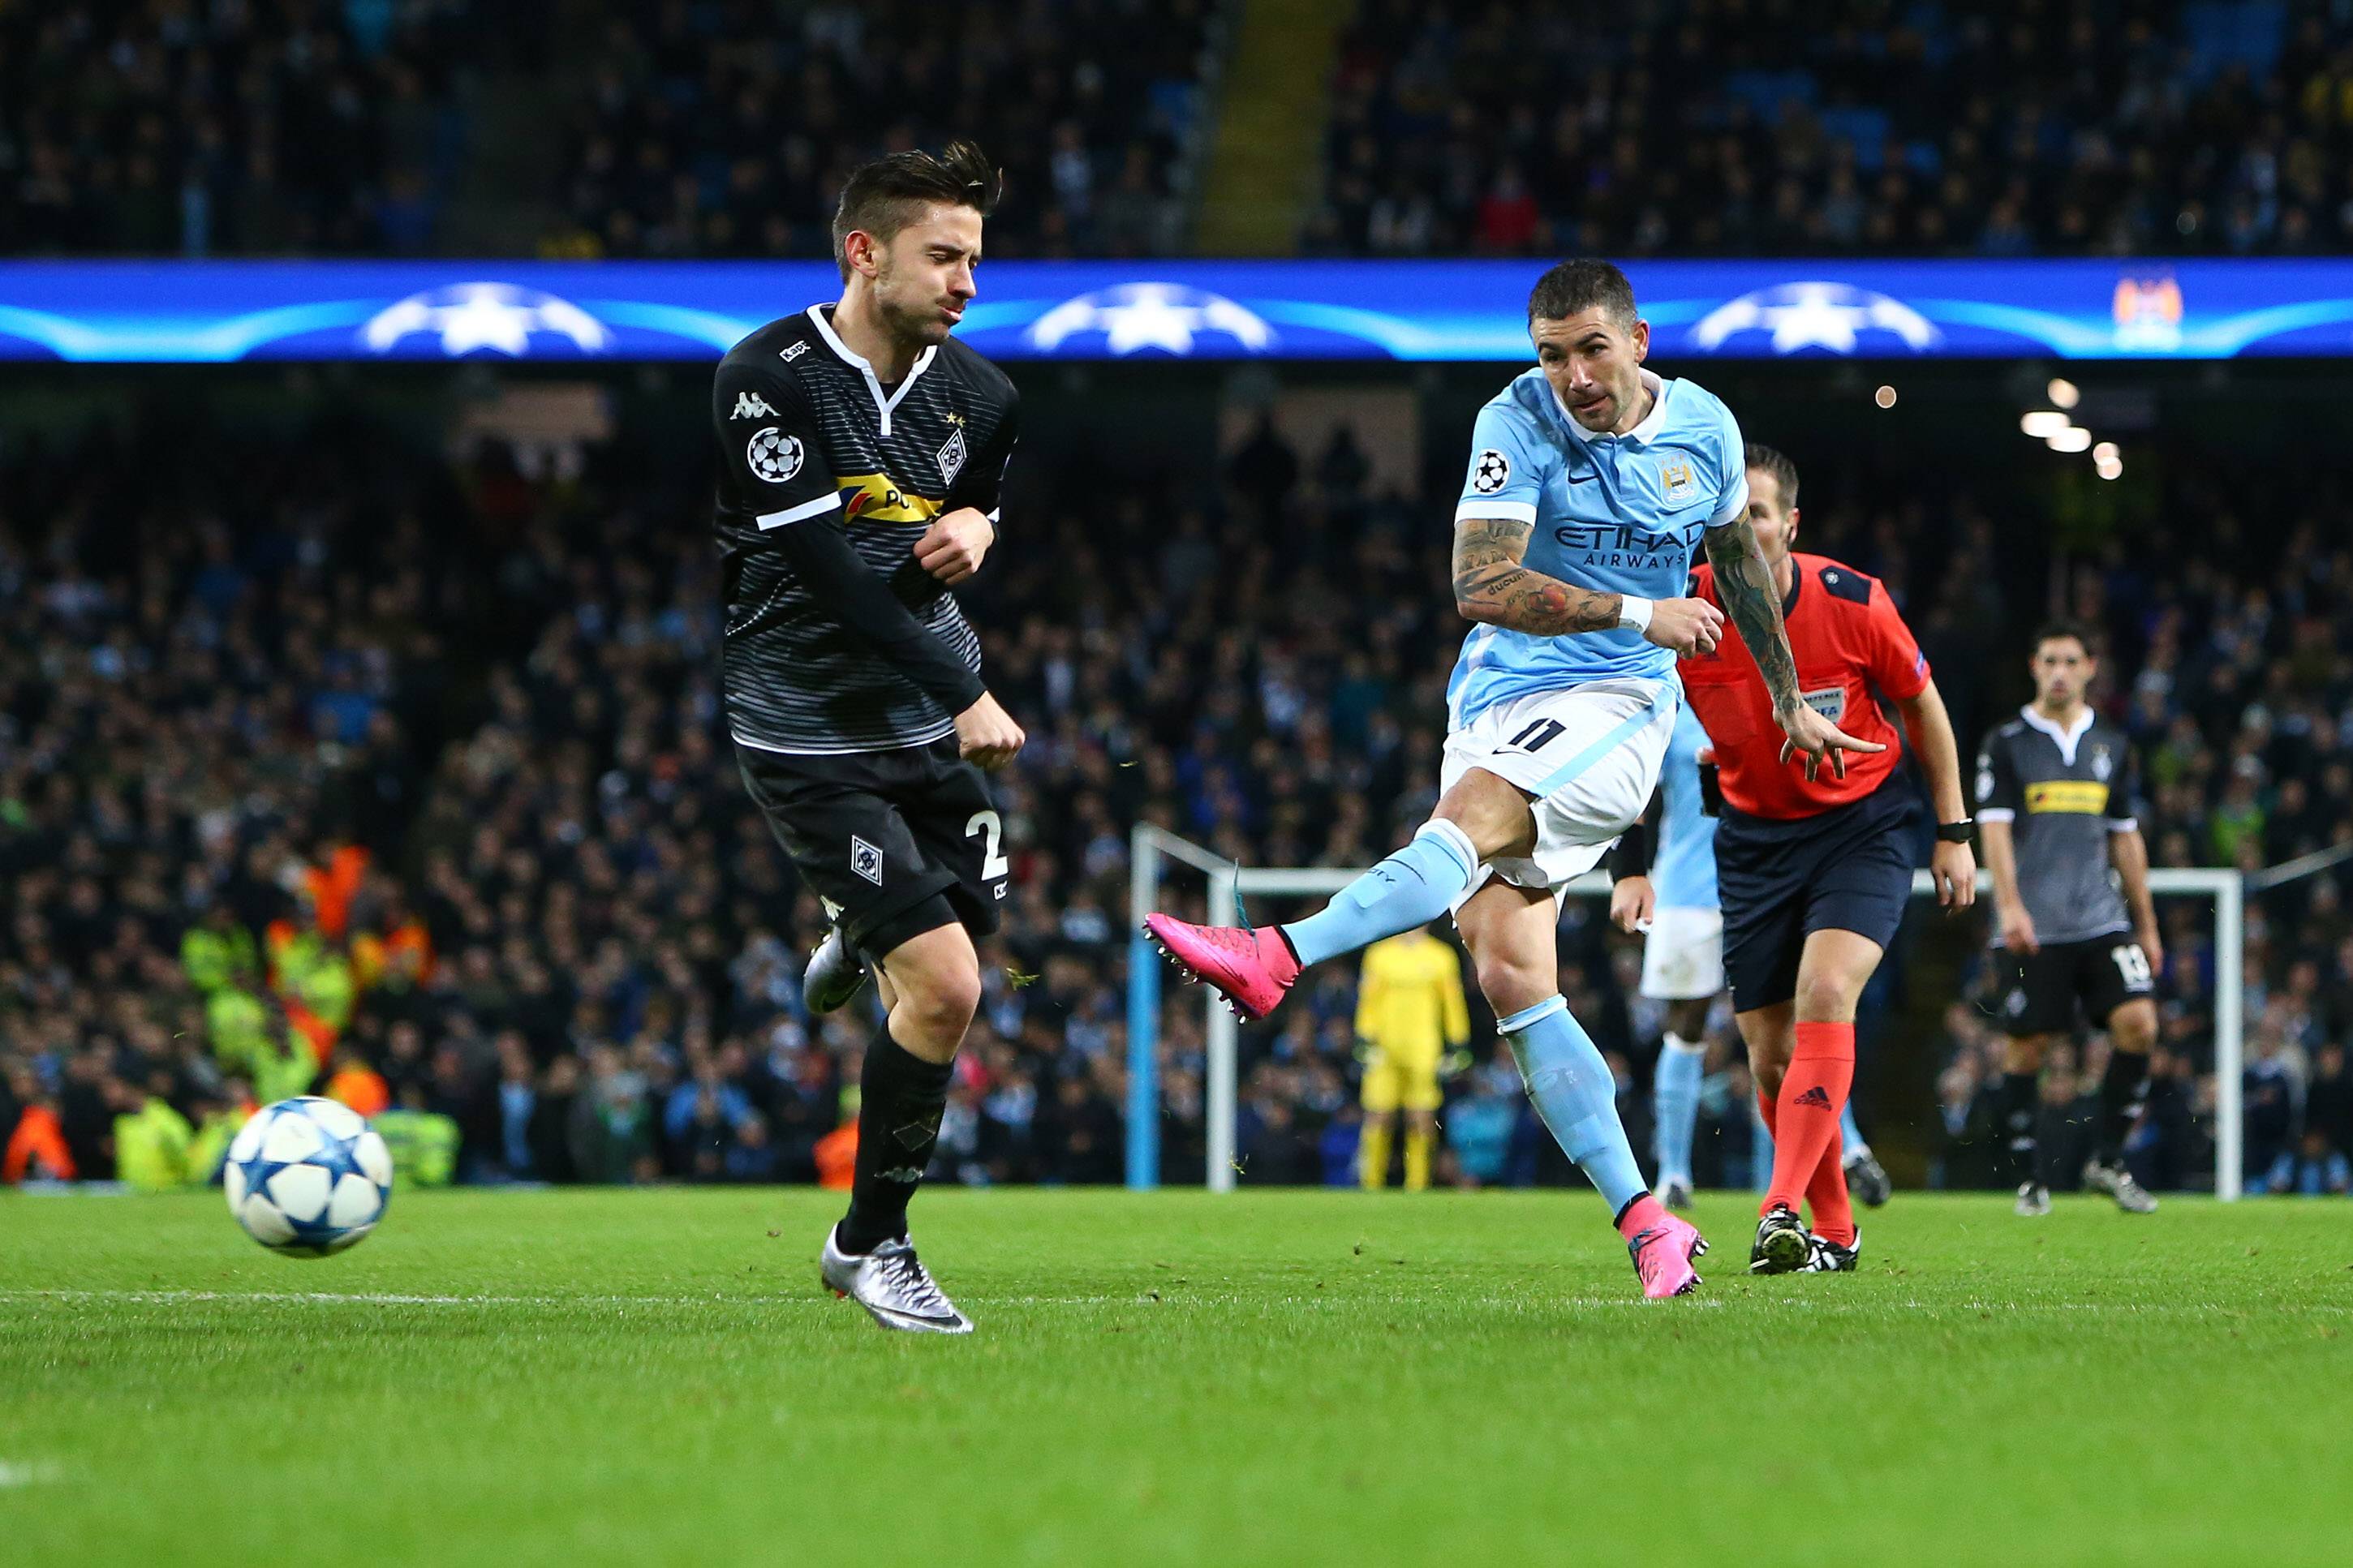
x: 1663, y: 1252
x: 1251, y: 968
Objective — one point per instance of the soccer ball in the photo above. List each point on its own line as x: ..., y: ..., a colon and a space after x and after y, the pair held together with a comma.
x: 307, y: 1177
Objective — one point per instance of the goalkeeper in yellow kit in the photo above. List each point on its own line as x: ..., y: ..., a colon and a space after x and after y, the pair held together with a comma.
x: 1409, y: 1012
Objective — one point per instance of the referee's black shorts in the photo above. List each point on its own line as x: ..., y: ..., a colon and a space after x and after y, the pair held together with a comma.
x: 1848, y: 869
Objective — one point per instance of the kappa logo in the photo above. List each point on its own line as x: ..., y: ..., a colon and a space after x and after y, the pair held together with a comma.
x: 792, y: 352
x: 908, y: 1175
x: 865, y: 859
x: 751, y: 405
x: 950, y: 457
x: 1491, y: 473
x: 1817, y: 1098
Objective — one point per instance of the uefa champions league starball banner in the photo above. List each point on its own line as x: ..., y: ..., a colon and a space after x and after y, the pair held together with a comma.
x: 213, y: 311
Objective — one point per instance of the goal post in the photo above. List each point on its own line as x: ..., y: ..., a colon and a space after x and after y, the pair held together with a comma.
x: 1151, y: 847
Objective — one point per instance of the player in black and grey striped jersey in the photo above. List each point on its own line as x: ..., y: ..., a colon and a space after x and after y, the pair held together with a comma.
x: 2055, y: 808
x: 863, y: 449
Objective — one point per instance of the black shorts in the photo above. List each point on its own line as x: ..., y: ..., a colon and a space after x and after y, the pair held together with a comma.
x: 2102, y: 973
x: 1848, y: 869
x: 896, y: 843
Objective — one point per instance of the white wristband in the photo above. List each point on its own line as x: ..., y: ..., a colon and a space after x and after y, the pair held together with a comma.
x: 1633, y: 612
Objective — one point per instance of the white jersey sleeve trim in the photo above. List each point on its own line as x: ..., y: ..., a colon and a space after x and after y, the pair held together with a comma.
x: 1995, y: 813
x: 1735, y: 502
x: 2123, y: 825
x: 829, y: 502
x: 1515, y: 510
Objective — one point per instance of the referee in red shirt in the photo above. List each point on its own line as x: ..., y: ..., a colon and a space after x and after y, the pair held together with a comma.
x: 1814, y: 863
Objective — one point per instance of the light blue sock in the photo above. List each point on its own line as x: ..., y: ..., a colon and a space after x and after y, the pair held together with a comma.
x: 1577, y: 1097
x: 1675, y: 1100
x: 1412, y: 888
x: 1849, y: 1135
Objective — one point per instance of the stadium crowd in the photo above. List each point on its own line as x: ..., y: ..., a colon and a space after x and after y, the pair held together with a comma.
x: 712, y: 131
x: 1758, y: 127
x: 325, y: 763
x: 256, y: 127
x: 309, y: 127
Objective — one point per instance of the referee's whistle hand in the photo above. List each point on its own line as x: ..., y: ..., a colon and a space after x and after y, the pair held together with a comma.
x: 952, y: 548
x: 1687, y: 628
x: 986, y: 735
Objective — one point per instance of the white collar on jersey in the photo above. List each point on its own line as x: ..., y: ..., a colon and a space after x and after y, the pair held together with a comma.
x: 2067, y: 738
x: 874, y: 382
x: 1641, y: 435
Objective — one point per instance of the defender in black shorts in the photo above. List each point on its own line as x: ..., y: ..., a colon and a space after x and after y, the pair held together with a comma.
x: 863, y: 448
x: 2055, y: 796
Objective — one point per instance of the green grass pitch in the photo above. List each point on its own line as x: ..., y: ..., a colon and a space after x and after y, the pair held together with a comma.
x: 654, y: 1377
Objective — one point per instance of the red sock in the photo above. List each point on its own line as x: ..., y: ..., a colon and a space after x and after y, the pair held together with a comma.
x: 1772, y: 1115
x: 1826, y: 1194
x: 1813, y: 1092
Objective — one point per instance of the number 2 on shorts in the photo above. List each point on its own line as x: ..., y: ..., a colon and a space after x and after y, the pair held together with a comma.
x: 993, y: 866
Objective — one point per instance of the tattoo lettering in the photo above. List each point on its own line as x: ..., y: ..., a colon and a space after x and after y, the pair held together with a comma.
x: 1744, y: 583
x: 1492, y: 586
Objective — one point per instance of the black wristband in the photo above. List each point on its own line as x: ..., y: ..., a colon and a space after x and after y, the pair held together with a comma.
x: 1965, y: 831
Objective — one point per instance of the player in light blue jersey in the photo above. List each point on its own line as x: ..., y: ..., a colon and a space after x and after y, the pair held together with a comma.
x: 1591, y: 480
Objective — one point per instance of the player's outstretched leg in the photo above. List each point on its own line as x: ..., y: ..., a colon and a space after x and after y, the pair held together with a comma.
x: 932, y: 984
x: 1253, y: 969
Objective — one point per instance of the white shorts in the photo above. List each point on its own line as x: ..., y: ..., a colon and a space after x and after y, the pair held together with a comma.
x: 1683, y: 958
x: 1588, y: 755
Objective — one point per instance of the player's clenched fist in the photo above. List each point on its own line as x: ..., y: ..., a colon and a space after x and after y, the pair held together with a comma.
x: 986, y: 735
x: 1686, y: 626
x: 952, y: 547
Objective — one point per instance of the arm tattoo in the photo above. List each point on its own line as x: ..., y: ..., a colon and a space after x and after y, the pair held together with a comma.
x: 1492, y: 586
x: 1752, y: 602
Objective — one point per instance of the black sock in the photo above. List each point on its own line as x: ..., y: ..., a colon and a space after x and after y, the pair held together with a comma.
x: 901, y: 1097
x: 2121, y: 1089
x: 2014, y: 1110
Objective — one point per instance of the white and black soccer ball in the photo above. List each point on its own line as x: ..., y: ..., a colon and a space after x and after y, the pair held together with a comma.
x: 308, y: 1177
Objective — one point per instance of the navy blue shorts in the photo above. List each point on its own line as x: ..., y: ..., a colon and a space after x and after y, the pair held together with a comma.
x: 1849, y: 868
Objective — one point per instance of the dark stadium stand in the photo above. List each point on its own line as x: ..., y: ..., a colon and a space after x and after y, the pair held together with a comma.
x: 1758, y: 127
x: 418, y: 127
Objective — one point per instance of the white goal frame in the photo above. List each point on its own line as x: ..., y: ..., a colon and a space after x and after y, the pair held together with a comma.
x: 1150, y: 846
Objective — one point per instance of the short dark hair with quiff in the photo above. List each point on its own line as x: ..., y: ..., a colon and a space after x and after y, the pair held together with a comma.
x: 884, y: 197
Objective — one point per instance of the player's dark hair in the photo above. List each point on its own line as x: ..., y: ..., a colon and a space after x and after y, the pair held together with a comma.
x: 1581, y: 285
x: 2067, y: 627
x: 1776, y: 462
x: 887, y: 194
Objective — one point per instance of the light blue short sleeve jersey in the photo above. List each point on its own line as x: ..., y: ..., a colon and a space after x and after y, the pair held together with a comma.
x: 1617, y: 514
x: 1683, y: 871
